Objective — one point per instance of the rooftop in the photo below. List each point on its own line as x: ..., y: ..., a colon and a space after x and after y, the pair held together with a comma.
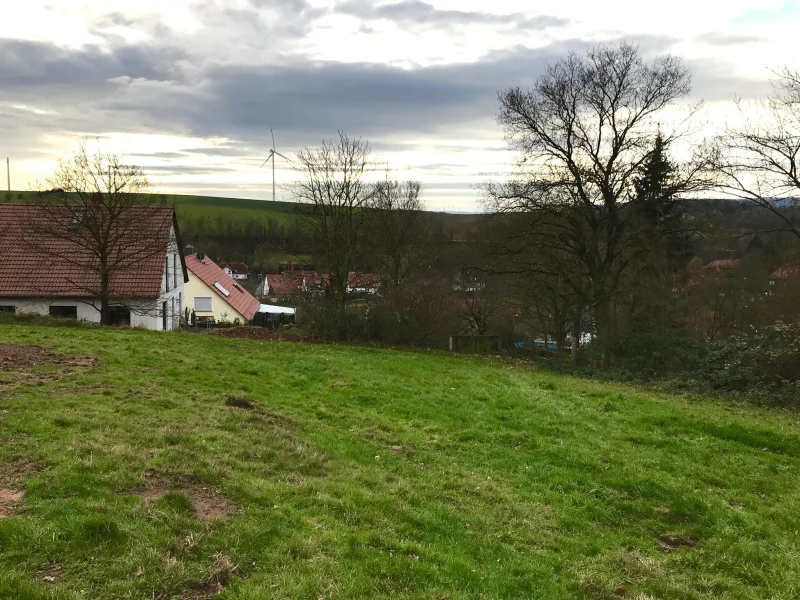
x: 207, y: 271
x: 38, y: 261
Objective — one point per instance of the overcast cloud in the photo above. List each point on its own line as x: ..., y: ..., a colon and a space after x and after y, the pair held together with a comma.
x: 189, y: 89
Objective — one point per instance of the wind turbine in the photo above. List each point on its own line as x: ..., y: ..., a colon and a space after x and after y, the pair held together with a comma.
x: 272, y: 154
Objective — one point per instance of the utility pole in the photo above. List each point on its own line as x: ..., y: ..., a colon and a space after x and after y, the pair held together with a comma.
x: 8, y: 172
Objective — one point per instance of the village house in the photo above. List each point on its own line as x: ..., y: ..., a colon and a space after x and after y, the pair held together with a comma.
x: 42, y: 274
x: 363, y: 284
x: 235, y: 270
x: 213, y: 295
x: 290, y: 285
x: 784, y: 274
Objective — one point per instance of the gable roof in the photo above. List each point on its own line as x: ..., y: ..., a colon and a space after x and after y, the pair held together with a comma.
x: 286, y: 284
x: 786, y: 272
x: 211, y: 274
x: 35, y: 263
x: 237, y: 268
x: 724, y: 264
x: 364, y: 280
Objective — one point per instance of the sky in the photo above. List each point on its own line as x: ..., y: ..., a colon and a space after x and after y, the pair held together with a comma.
x: 188, y: 89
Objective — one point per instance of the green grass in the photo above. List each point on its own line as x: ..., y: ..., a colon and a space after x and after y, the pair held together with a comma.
x: 211, y: 208
x: 504, y: 482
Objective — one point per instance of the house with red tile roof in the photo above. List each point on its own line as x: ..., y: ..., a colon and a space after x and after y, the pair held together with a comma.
x: 363, y: 283
x: 211, y: 292
x: 236, y: 270
x: 723, y: 265
x: 291, y: 284
x: 44, y: 273
x: 785, y: 273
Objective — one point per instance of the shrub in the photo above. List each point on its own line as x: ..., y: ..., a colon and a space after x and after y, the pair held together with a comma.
x: 766, y: 359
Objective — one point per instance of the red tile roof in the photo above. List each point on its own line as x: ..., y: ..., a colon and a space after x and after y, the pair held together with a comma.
x: 210, y: 273
x: 286, y: 284
x: 237, y: 268
x: 36, y: 263
x: 723, y: 264
x: 786, y: 272
x: 364, y: 280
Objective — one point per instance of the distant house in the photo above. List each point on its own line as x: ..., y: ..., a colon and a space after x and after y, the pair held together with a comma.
x: 363, y: 283
x: 724, y: 266
x: 34, y: 279
x: 784, y: 274
x: 291, y: 284
x: 287, y: 286
x: 212, y: 293
x: 235, y: 270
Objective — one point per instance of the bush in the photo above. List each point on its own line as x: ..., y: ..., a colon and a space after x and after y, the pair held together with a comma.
x: 374, y: 322
x: 768, y: 359
x: 658, y: 354
x: 763, y: 366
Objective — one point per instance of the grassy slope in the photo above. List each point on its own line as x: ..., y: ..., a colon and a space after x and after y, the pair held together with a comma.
x: 557, y: 477
x: 209, y: 207
x: 214, y: 207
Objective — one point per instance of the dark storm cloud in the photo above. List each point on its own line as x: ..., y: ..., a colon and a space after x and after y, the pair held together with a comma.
x: 159, y: 89
x: 29, y: 63
x: 416, y: 12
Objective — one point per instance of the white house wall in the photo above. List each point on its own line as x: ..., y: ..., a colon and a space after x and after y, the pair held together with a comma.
x: 41, y: 306
x: 145, y: 313
x: 175, y: 297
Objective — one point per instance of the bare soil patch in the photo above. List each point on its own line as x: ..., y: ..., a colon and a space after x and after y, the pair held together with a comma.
x: 17, y: 470
x: 13, y: 473
x: 669, y: 542
x: 207, y: 502
x: 20, y: 364
x: 7, y: 499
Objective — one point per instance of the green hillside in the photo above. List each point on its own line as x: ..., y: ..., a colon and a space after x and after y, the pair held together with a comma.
x: 214, y: 206
x: 180, y: 465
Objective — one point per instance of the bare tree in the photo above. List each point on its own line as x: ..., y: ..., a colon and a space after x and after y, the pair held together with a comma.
x: 98, y: 217
x: 583, y: 132
x: 396, y: 227
x: 334, y: 187
x: 758, y: 161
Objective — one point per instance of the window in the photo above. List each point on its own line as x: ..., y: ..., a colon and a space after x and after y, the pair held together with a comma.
x: 166, y: 273
x: 8, y: 309
x: 202, y: 304
x: 219, y: 286
x: 174, y: 271
x: 120, y: 315
x: 64, y: 312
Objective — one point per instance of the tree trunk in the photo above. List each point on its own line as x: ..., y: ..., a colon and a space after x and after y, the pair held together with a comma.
x: 576, y: 334
x: 604, y: 327
x: 105, y: 300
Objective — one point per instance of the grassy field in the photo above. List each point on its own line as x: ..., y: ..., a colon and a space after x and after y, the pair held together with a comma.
x: 205, y: 207
x: 244, y: 209
x: 161, y: 466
